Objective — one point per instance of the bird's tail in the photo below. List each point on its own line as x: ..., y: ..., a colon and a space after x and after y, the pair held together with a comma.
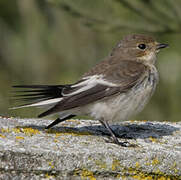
x: 38, y: 95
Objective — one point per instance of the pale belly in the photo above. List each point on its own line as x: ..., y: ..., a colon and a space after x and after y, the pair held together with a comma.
x: 121, y: 106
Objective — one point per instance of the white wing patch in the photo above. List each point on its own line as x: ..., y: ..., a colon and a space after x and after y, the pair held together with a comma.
x: 90, y: 82
x: 41, y: 103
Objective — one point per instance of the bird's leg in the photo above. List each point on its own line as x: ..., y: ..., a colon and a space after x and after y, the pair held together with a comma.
x: 58, y: 120
x: 115, y: 139
x: 106, y: 125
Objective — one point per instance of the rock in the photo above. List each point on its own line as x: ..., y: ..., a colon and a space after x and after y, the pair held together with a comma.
x: 80, y: 149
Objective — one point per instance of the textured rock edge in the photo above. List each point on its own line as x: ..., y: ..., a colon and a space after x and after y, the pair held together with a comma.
x: 78, y: 150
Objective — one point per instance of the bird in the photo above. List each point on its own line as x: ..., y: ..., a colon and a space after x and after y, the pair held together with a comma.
x: 115, y: 89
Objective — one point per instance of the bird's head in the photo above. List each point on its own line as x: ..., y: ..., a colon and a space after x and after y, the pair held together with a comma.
x: 138, y: 47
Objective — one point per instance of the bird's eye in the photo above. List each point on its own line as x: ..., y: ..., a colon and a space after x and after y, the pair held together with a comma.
x: 142, y: 46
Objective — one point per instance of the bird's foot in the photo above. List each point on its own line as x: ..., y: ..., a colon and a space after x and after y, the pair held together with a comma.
x: 122, y: 144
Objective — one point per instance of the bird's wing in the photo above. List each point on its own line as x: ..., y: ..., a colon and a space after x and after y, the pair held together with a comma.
x: 117, y: 79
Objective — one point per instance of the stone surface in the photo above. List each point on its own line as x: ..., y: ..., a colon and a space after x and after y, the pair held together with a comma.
x: 80, y: 149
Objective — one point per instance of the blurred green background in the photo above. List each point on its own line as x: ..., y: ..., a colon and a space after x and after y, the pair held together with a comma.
x: 56, y: 41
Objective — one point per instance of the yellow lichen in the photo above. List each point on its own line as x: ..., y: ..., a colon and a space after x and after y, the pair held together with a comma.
x: 55, y: 140
x: 155, y: 161
x: 3, y: 130
x: 141, y: 176
x: 76, y: 172
x: 134, y: 173
x: 154, y: 140
x: 173, y: 167
x: 19, y: 137
x: 118, y: 176
x: 115, y: 164
x: 2, y: 136
x: 87, y: 174
x: 30, y: 131
x: 158, y: 171
x: 132, y: 120
x: 84, y: 174
x: 101, y: 164
x: 176, y: 170
x: 49, y: 176
x: 137, y: 165
x: 26, y: 130
x: 72, y: 120
x: 147, y: 163
x: 58, y: 134
x: 16, y: 130
x: 174, y: 164
x: 51, y: 164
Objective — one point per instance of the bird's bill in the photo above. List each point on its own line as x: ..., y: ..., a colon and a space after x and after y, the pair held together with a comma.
x: 160, y: 46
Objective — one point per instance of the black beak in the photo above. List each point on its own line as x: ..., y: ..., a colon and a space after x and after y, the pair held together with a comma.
x: 160, y: 46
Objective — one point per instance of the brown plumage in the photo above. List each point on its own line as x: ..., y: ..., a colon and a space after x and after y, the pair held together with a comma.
x: 115, y: 89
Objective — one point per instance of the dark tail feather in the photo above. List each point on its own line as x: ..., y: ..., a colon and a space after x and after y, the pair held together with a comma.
x: 58, y: 120
x: 37, y: 86
x: 38, y: 93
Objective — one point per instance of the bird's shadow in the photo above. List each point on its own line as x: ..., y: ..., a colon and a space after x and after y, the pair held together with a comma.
x: 130, y: 131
